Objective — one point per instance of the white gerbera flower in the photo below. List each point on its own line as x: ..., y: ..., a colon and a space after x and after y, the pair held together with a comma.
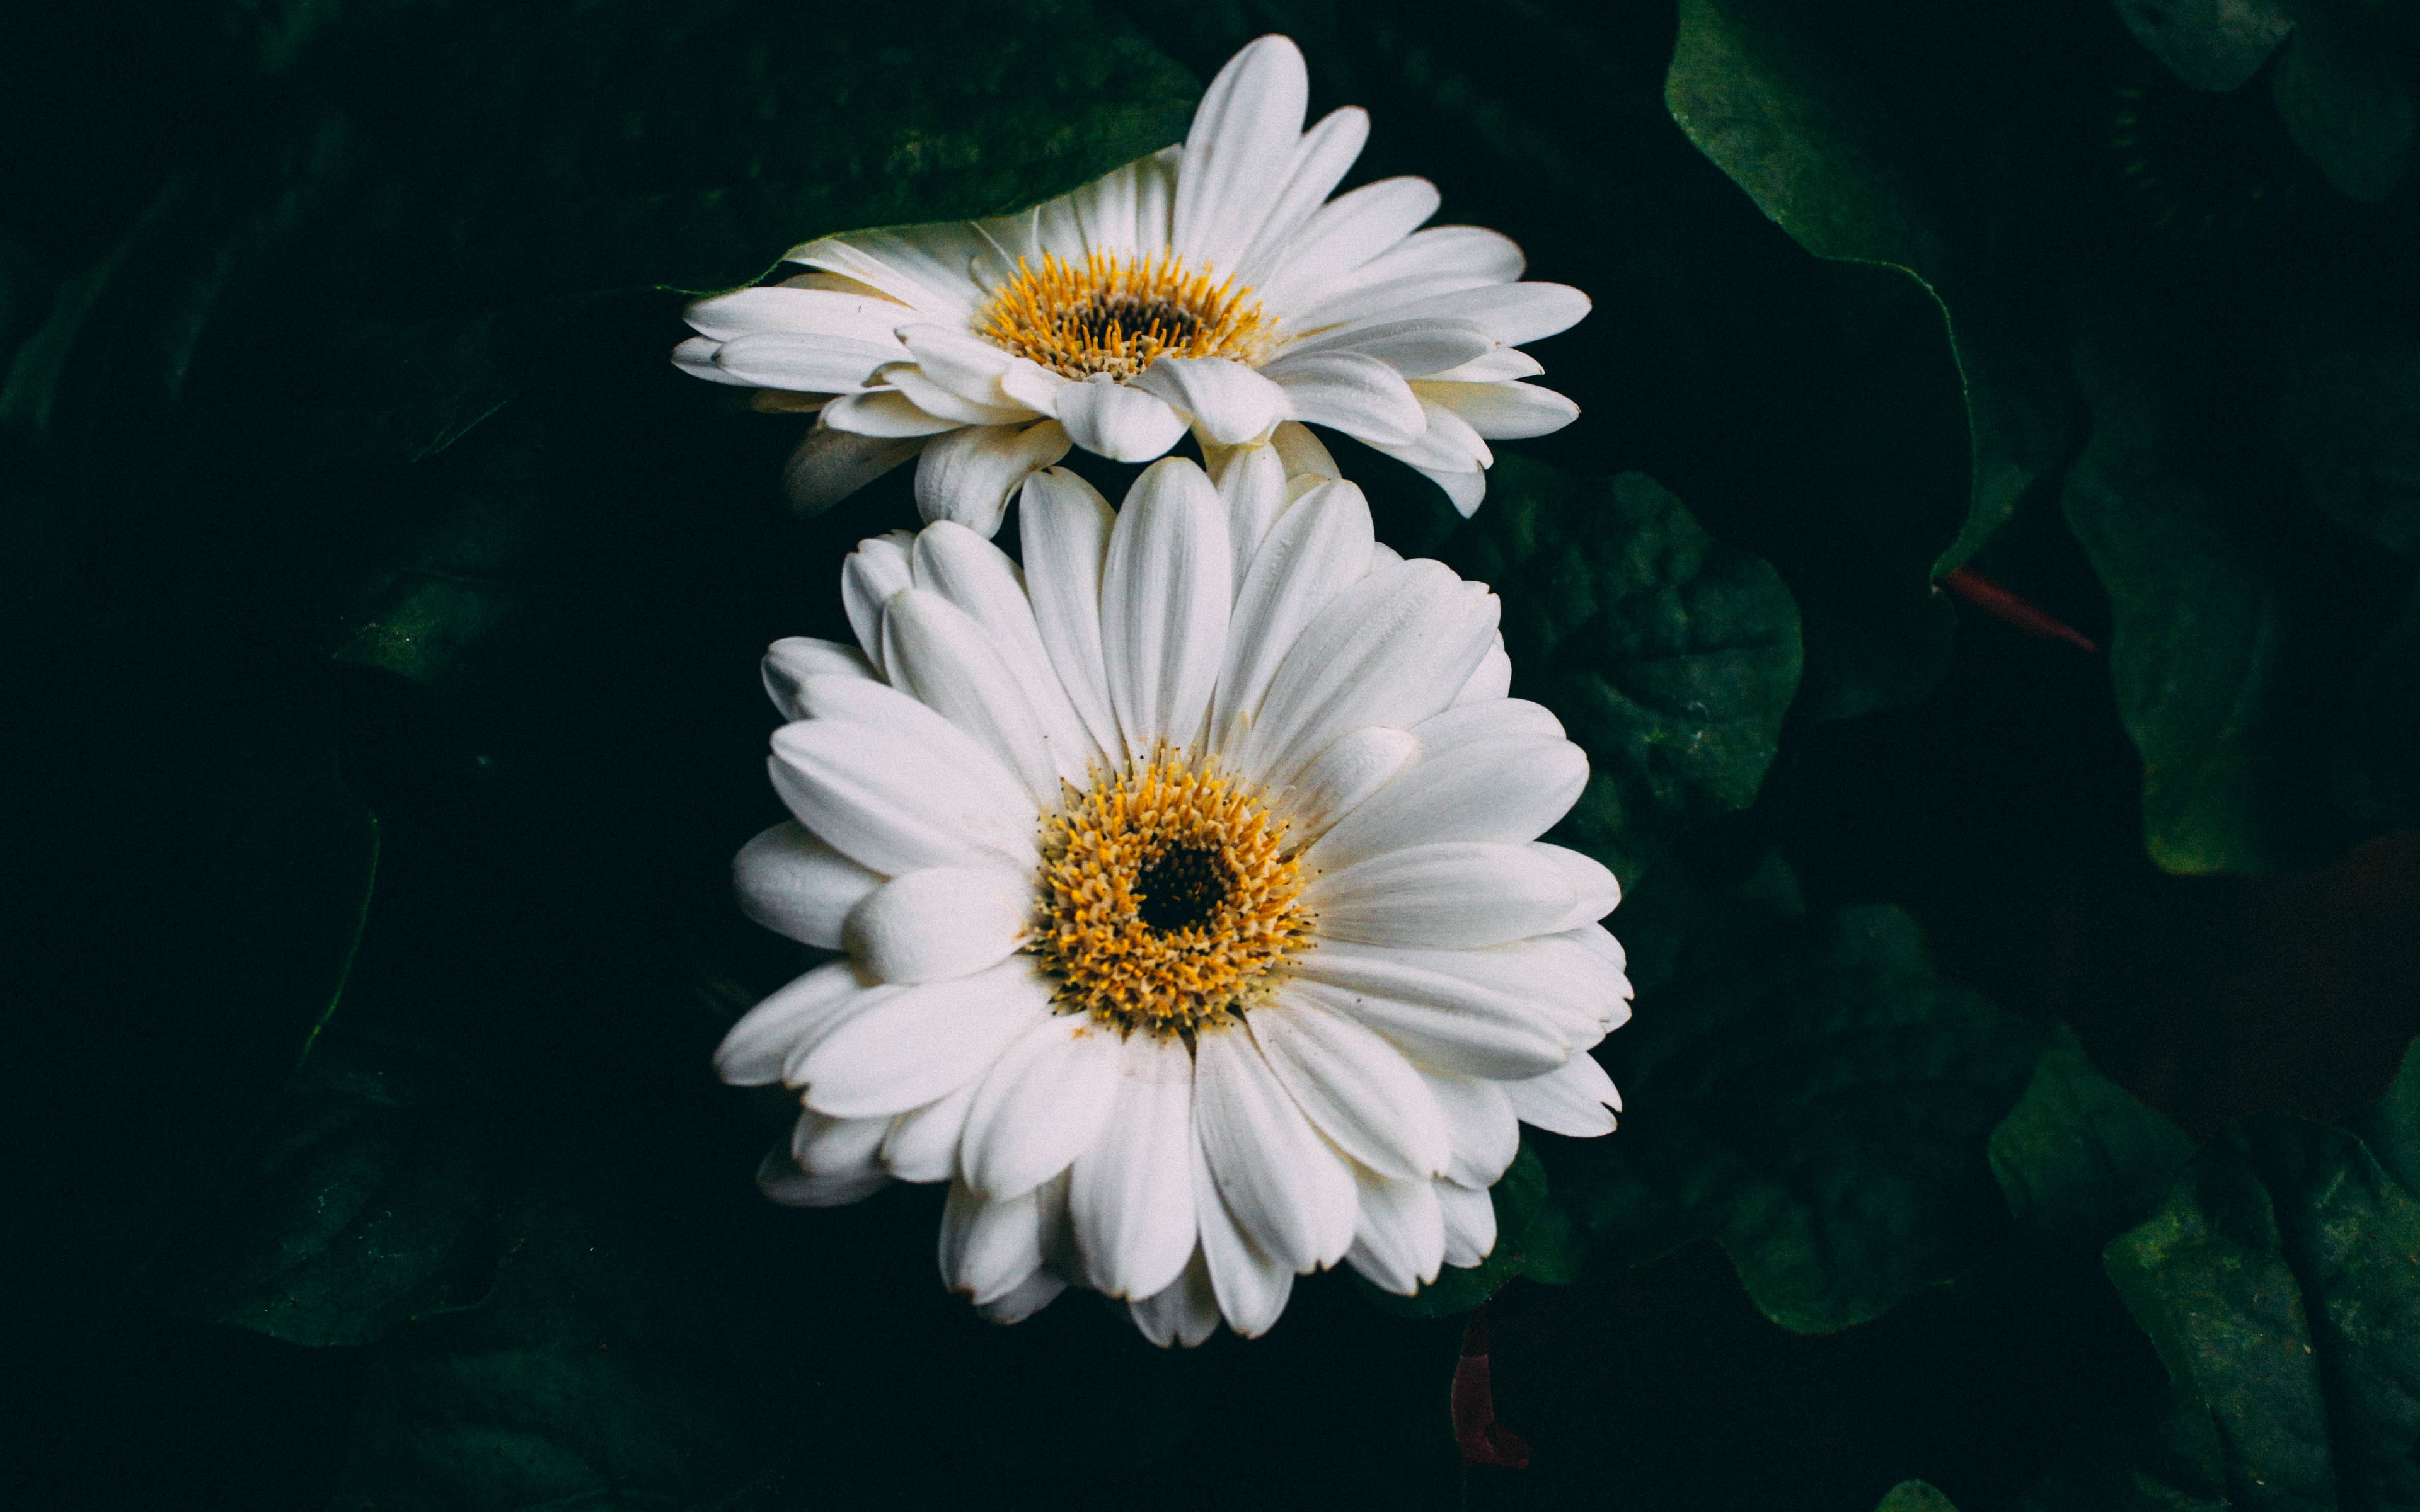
x: 1198, y: 930
x: 1212, y: 285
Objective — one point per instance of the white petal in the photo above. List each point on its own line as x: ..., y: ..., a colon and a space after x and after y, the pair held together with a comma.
x: 1510, y: 791
x: 923, y: 1144
x: 1577, y: 1099
x: 1469, y: 1222
x: 1401, y: 1241
x: 1040, y: 1290
x: 807, y: 363
x: 1359, y: 395
x: 1131, y: 1192
x: 864, y: 317
x: 945, y: 403
x: 1185, y: 1312
x: 968, y: 475
x: 780, y: 1178
x: 1494, y: 678
x: 1414, y: 349
x: 1344, y: 235
x: 1355, y: 1086
x: 1467, y: 1012
x: 1596, y: 892
x: 886, y: 413
x: 1319, y: 547
x: 1344, y: 776
x: 1065, y: 526
x: 924, y: 266
x: 935, y: 651
x: 989, y: 1246
x: 762, y: 1045
x: 1611, y: 963
x: 1289, y: 1193
x: 1503, y: 411
x: 1321, y: 160
x: 1453, y: 894
x: 1253, y: 481
x: 1446, y: 444
x: 835, y: 1147
x: 1037, y: 387
x: 797, y: 886
x: 1042, y: 1105
x: 979, y: 578
x: 1239, y: 153
x: 1459, y: 726
x: 1503, y: 362
x: 1471, y: 251
x: 790, y: 661
x: 1251, y: 1287
x: 1125, y: 210
x: 1164, y: 601
x: 1480, y: 1125
x: 925, y: 1043
x: 1228, y: 403
x: 1514, y: 313
x: 869, y: 575
x: 1302, y: 453
x: 967, y: 366
x: 829, y: 465
x: 939, y: 923
x: 1118, y: 422
x: 900, y: 798
x: 1390, y: 650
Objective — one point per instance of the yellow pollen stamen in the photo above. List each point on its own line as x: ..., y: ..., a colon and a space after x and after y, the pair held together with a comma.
x: 1169, y: 900
x: 1118, y: 316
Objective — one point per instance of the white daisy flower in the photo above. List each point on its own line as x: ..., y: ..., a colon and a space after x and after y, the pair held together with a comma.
x: 1198, y: 932
x: 1212, y: 285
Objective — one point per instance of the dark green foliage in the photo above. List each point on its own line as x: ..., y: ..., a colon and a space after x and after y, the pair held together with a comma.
x: 2078, y: 1157
x: 364, y: 1209
x: 1812, y: 1095
x: 1669, y: 656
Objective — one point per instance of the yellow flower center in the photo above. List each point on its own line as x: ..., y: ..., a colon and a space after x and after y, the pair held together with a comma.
x: 1118, y: 316
x: 1169, y: 900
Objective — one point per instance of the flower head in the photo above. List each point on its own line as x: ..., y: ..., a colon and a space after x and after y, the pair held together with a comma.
x: 1213, y: 285
x: 1198, y: 930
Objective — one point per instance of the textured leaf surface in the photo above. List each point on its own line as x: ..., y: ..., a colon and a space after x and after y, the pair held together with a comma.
x: 1816, y: 1098
x: 2079, y: 1158
x: 1669, y: 656
x: 2280, y: 1282
x: 363, y: 1208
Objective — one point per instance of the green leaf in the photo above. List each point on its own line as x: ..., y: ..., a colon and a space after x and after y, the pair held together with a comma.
x: 561, y: 1383
x: 362, y: 1209
x: 1534, y: 1236
x: 1815, y: 1096
x: 2280, y: 1287
x: 2079, y: 1159
x: 1669, y: 656
x: 2342, y: 92
x: 1913, y: 1496
x: 2224, y: 655
x: 1775, y: 105
x: 2390, y: 1128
